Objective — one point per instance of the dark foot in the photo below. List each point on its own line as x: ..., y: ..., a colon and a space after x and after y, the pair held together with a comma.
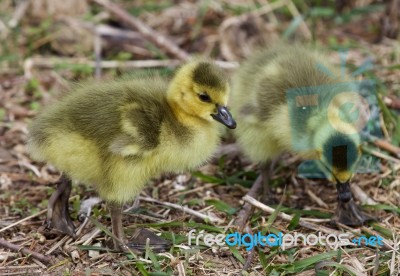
x: 58, y: 217
x: 390, y: 21
x: 139, y: 239
x: 348, y: 213
x: 388, y: 30
x: 138, y: 242
x: 269, y: 197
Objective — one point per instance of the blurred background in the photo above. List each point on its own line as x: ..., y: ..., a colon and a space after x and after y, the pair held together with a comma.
x: 48, y: 45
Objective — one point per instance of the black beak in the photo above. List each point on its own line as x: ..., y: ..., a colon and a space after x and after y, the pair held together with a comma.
x: 344, y: 191
x: 224, y: 117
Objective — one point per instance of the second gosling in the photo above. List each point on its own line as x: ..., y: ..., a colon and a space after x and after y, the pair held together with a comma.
x: 289, y: 98
x: 117, y: 135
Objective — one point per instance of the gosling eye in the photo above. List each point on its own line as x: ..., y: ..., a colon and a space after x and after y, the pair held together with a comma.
x: 205, y: 98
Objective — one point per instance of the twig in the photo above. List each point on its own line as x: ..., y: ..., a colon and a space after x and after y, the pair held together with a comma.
x: 31, y: 167
x: 392, y: 102
x: 24, y: 251
x: 387, y: 244
x: 19, y: 12
x: 245, y: 212
x: 4, y: 31
x: 250, y: 256
x: 266, y: 9
x: 181, y: 269
x: 51, y: 62
x: 384, y: 128
x: 295, y: 12
x: 316, y: 220
x: 319, y: 201
x: 22, y: 220
x: 287, y: 217
x: 227, y: 64
x: 150, y: 34
x: 58, y: 244
x: 39, y: 263
x: 88, y: 237
x: 388, y: 172
x: 387, y: 146
x: 103, y: 29
x: 19, y: 273
x: 360, y: 195
x: 382, y: 155
x: 94, y: 234
x: 18, y: 267
x: 203, y: 187
x: 184, y: 209
x: 97, y: 53
x: 393, y: 260
x: 127, y: 39
x: 271, y: 16
x: 395, y: 183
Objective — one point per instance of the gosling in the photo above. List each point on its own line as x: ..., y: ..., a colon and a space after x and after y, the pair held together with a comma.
x: 117, y: 135
x: 288, y: 99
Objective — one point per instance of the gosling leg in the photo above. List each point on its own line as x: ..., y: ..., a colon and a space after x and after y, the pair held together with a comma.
x: 389, y: 21
x: 139, y: 238
x: 58, y: 217
x: 116, y: 225
x: 266, y: 172
x: 347, y: 211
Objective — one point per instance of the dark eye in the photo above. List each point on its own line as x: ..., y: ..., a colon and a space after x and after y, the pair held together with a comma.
x: 205, y: 98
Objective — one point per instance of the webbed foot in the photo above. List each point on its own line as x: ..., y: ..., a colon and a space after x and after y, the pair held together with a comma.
x: 156, y: 243
x: 348, y: 213
x: 58, y: 217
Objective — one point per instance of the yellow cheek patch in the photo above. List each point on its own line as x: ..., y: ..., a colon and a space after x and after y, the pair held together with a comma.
x: 221, y: 98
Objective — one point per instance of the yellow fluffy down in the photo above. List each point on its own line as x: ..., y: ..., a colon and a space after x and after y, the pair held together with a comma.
x: 119, y: 180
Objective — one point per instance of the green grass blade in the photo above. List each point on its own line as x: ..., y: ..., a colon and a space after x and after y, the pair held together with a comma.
x: 236, y: 254
x: 294, y: 222
x: 222, y: 206
x: 384, y: 207
x: 141, y: 268
x: 208, y: 178
x: 180, y: 224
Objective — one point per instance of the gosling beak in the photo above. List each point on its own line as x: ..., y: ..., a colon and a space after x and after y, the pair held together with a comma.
x: 224, y: 117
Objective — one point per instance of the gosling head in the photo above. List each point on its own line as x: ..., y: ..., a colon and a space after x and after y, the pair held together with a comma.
x: 200, y: 89
x: 339, y: 157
